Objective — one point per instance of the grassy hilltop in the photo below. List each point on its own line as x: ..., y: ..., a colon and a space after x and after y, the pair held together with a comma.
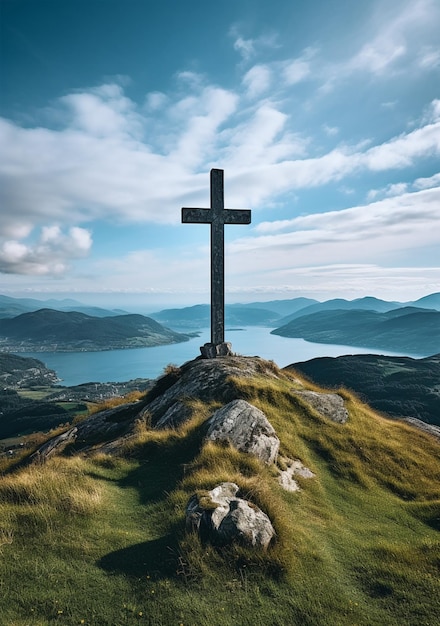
x: 90, y: 537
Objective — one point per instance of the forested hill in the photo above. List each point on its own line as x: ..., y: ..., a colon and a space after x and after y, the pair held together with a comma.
x: 50, y: 330
x: 17, y: 372
x: 409, y: 329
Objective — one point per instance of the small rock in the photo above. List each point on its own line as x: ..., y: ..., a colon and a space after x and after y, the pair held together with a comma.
x: 329, y: 405
x: 221, y: 517
x: 246, y: 428
x: 294, y: 468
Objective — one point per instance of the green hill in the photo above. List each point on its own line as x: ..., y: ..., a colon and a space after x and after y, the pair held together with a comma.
x: 50, y: 330
x: 407, y: 329
x: 199, y: 316
x: 96, y: 533
x: 17, y: 372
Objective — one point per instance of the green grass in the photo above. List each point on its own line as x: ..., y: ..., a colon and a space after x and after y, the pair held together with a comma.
x: 39, y: 393
x: 101, y: 541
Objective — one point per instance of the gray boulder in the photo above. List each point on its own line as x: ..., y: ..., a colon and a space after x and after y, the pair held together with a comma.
x: 329, y: 405
x: 222, y: 518
x: 246, y: 428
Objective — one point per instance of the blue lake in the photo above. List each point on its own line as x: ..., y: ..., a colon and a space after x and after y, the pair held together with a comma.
x: 75, y: 368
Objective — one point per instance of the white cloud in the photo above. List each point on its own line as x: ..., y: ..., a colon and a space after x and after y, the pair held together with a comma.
x: 49, y: 255
x: 382, y: 234
x: 257, y: 80
x: 331, y: 131
x: 429, y: 58
x: 97, y: 165
x: 433, y: 114
x: 396, y: 35
x: 248, y: 48
x: 395, y: 189
x: 295, y: 71
x: 380, y: 230
x: 155, y: 100
x: 427, y: 183
x: 390, y: 44
x: 107, y: 158
x: 245, y: 47
x: 376, y: 57
x: 103, y: 112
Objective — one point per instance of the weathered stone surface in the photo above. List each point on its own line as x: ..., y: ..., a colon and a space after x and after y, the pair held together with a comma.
x: 97, y: 428
x: 246, y: 428
x: 294, y: 467
x: 212, y: 350
x: 329, y: 405
x: 54, y: 445
x: 223, y: 518
x: 202, y: 379
x: 428, y: 428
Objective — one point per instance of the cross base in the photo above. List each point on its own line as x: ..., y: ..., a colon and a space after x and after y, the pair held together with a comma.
x: 213, y: 350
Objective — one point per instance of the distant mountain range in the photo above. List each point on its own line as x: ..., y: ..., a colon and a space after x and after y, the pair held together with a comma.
x: 398, y: 386
x: 280, y: 312
x: 410, y: 327
x: 49, y: 330
x: 11, y: 307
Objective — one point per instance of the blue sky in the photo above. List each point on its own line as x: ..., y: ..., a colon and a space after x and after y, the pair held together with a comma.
x: 324, y: 114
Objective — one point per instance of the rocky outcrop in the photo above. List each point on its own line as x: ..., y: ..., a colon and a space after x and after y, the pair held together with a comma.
x: 101, y: 427
x: 329, y: 405
x: 167, y: 404
x: 202, y: 379
x: 246, y: 428
x: 428, y: 428
x: 219, y: 516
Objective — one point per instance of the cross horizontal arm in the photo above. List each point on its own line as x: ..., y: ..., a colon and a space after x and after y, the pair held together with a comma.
x: 237, y: 216
x: 196, y: 216
x: 206, y: 216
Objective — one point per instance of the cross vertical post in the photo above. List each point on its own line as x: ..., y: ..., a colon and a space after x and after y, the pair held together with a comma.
x: 217, y: 216
x: 217, y: 258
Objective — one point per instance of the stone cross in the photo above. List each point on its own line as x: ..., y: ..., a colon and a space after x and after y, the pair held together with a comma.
x: 217, y: 216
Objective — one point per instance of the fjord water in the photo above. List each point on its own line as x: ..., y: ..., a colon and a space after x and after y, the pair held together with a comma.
x: 75, y: 368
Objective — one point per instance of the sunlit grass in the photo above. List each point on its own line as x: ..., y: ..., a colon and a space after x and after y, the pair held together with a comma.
x: 101, y: 540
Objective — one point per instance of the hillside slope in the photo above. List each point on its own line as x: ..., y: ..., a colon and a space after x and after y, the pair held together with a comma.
x: 17, y: 371
x: 398, y: 386
x: 357, y: 544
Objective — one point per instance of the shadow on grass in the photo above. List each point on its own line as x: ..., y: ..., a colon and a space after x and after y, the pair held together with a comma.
x: 163, y: 465
x: 161, y: 468
x: 157, y: 559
